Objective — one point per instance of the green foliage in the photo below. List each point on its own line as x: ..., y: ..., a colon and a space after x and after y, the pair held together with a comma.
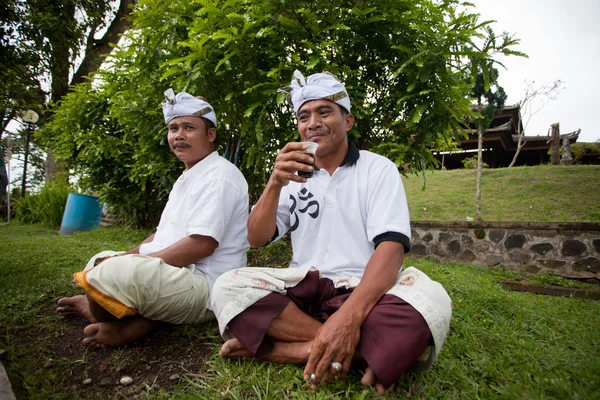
x: 471, y: 163
x: 46, y: 207
x: 578, y: 149
x: 406, y: 64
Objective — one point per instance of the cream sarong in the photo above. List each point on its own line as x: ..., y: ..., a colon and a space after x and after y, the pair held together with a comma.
x: 134, y: 284
x: 237, y: 290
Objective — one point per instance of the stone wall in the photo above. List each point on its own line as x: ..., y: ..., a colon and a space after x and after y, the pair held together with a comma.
x: 567, y: 249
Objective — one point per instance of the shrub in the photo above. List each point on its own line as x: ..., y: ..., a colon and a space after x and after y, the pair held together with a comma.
x: 46, y: 207
x: 471, y: 163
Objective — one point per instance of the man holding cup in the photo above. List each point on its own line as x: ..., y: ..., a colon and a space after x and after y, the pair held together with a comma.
x: 345, y: 297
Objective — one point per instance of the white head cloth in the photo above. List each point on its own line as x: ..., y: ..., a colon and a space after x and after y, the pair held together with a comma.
x: 184, y: 105
x: 321, y: 86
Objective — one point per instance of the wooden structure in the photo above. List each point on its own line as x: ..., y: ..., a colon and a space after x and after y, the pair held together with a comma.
x: 500, y: 142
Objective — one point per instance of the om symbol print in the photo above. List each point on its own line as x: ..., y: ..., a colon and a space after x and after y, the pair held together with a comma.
x: 310, y: 207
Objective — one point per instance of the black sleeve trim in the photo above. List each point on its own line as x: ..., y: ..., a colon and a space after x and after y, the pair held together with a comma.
x: 273, y: 237
x: 393, y: 237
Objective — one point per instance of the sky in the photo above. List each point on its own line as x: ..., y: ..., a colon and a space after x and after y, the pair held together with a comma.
x: 562, y: 40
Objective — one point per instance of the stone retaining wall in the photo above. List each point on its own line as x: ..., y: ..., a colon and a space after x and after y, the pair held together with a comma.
x: 567, y: 249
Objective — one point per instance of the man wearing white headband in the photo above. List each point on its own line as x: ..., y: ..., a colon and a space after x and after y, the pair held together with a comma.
x: 202, y: 233
x: 345, y: 297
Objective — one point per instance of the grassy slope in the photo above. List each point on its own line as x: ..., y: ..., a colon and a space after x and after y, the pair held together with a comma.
x: 543, y: 193
x: 502, y: 344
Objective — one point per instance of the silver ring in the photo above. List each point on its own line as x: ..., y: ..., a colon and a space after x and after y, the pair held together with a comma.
x: 313, y: 377
x: 336, y: 367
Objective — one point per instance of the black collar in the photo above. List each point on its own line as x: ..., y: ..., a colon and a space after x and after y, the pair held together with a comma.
x: 351, y: 156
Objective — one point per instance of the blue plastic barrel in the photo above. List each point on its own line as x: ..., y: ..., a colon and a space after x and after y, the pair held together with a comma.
x: 82, y: 213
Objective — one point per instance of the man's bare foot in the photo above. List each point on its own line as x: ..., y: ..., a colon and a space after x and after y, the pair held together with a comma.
x: 233, y: 348
x: 118, y: 333
x: 369, y: 379
x: 283, y: 352
x: 75, y: 307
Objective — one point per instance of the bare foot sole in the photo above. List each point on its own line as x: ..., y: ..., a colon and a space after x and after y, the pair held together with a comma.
x: 75, y: 307
x: 117, y: 333
x: 233, y: 348
x: 369, y: 379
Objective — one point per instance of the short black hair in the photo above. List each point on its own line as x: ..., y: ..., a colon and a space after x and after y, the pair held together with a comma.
x: 209, y: 124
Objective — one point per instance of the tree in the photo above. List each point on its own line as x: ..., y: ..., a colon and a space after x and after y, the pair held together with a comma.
x: 52, y: 44
x: 548, y: 91
x: 486, y: 88
x: 406, y: 65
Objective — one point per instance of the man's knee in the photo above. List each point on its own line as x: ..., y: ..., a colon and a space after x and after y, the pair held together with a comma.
x: 226, y: 283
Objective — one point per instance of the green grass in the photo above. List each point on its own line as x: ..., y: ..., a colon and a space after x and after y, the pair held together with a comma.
x: 502, y: 344
x: 543, y: 194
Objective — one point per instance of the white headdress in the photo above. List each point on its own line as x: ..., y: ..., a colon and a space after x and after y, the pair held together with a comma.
x: 184, y: 105
x: 321, y: 86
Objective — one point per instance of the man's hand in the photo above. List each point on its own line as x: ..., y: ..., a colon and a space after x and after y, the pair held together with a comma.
x: 290, y: 160
x: 336, y: 342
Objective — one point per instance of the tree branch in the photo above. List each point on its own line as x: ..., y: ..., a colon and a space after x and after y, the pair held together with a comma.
x: 99, y: 49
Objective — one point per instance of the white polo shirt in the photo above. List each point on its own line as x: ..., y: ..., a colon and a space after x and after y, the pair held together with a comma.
x: 336, y: 221
x: 210, y: 199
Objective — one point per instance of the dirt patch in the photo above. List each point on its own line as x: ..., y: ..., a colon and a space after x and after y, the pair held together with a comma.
x: 157, y: 364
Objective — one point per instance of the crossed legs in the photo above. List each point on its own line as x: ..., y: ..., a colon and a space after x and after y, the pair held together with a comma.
x: 293, y: 332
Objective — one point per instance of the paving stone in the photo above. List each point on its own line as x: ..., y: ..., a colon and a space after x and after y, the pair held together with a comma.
x: 414, y: 234
x: 515, y: 241
x: 520, y: 256
x: 493, y: 259
x: 453, y: 247
x: 596, y: 244
x: 418, y: 249
x: 572, y: 247
x: 437, y: 249
x: 482, y: 247
x: 428, y: 237
x: 496, y: 236
x: 467, y: 255
x: 590, y: 264
x: 553, y: 264
x: 542, y: 248
x: 444, y: 237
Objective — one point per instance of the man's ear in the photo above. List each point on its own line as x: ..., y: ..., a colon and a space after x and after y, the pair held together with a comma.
x: 349, y: 121
x: 212, y: 134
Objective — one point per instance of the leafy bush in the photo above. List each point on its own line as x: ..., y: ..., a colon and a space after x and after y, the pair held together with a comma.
x: 579, y: 149
x: 46, y: 207
x: 471, y: 163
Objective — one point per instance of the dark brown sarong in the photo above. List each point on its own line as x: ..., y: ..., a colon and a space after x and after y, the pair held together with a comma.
x: 392, y: 337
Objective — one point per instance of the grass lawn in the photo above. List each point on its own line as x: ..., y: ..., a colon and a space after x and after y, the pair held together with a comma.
x: 543, y: 193
x: 502, y: 344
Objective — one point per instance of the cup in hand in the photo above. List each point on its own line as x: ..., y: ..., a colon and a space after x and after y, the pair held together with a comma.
x: 311, y: 149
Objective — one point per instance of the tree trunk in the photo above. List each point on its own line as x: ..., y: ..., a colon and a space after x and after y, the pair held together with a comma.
x: 555, y: 144
x: 479, y: 172
x: 519, y: 147
x: 97, y: 50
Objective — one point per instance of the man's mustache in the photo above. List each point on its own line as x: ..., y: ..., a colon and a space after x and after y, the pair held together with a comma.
x: 181, y: 145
